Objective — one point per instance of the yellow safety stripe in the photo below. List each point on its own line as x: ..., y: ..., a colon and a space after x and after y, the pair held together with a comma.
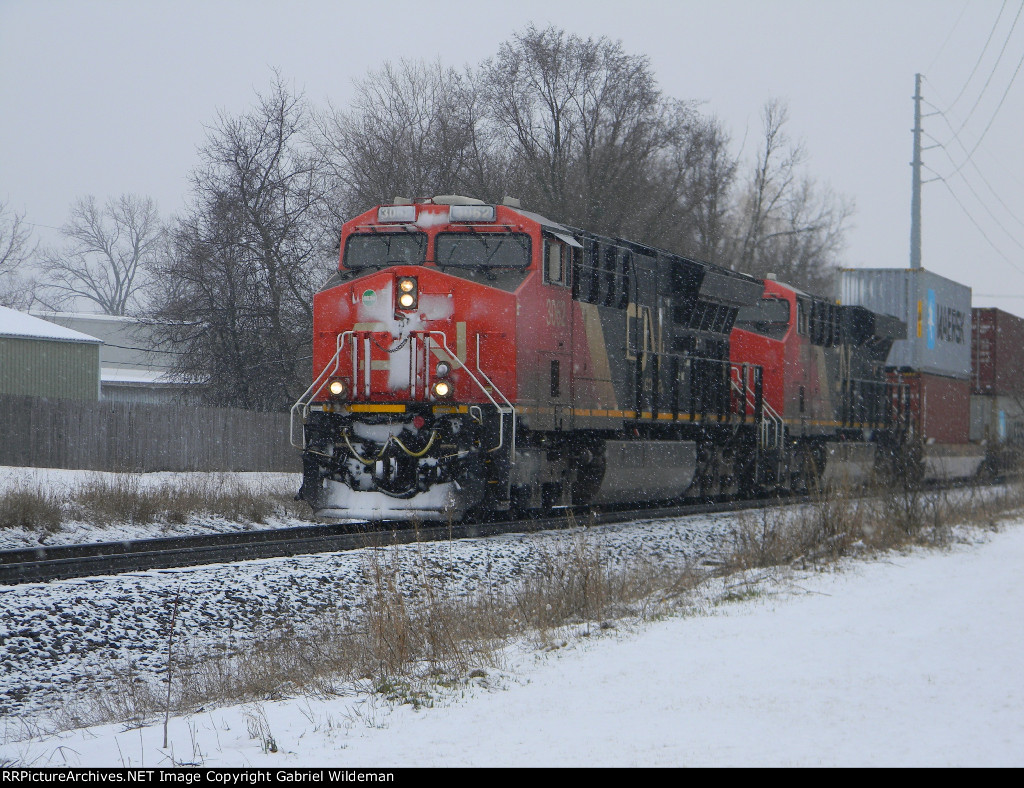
x: 360, y: 408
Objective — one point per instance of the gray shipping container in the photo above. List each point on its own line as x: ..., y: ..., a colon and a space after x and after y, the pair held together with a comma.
x: 937, y: 312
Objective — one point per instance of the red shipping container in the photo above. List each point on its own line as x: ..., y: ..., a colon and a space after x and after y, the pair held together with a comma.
x: 997, y: 352
x: 940, y: 407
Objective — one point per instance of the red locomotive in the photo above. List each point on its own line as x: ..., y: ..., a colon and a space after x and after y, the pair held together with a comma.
x: 476, y: 358
x: 824, y: 376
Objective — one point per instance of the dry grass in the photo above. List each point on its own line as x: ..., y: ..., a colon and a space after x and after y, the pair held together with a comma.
x: 405, y: 636
x: 125, y: 499
x: 31, y: 509
x: 840, y: 522
x: 128, y: 499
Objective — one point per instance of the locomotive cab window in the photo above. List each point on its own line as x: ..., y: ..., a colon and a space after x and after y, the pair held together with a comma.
x: 555, y: 268
x: 379, y: 250
x: 769, y: 317
x: 482, y: 250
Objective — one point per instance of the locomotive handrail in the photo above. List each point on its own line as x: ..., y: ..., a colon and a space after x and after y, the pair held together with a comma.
x: 307, y: 396
x: 773, y: 428
x: 500, y: 408
x: 511, y: 407
x: 301, y: 405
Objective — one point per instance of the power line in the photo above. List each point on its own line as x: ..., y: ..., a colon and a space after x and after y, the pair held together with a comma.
x: 977, y: 169
x: 994, y: 114
x: 994, y: 67
x: 47, y: 226
x: 970, y: 154
x: 977, y: 196
x: 1006, y: 172
x: 978, y: 226
x: 984, y: 49
x: 956, y: 24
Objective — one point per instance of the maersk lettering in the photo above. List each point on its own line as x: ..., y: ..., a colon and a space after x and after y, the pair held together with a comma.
x: 951, y: 325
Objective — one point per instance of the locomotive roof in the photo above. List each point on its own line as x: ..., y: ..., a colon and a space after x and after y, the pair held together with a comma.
x: 570, y: 232
x: 550, y: 224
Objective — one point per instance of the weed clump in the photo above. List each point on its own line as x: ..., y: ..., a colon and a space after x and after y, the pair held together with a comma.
x: 130, y: 498
x: 33, y: 510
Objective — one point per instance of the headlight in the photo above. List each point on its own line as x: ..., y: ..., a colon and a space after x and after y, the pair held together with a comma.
x: 442, y: 370
x: 442, y: 389
x: 408, y: 292
x: 336, y: 388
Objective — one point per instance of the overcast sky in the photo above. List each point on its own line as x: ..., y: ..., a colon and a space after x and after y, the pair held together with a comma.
x: 102, y: 97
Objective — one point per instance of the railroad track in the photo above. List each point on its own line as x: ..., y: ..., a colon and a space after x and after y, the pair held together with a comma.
x: 41, y: 564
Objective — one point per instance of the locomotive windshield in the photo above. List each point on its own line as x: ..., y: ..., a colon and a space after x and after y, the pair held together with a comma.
x: 769, y: 317
x: 482, y: 250
x: 378, y: 250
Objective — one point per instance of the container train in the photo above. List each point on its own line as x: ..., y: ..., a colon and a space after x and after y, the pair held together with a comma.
x: 471, y: 359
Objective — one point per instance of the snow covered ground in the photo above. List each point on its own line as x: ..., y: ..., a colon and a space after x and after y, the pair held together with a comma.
x: 63, y: 639
x: 63, y: 481
x: 914, y: 660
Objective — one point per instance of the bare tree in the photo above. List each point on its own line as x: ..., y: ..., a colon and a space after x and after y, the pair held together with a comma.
x: 577, y: 128
x: 16, y: 286
x: 411, y: 131
x: 590, y: 134
x: 707, y: 193
x: 107, y: 253
x: 247, y: 256
x: 786, y: 224
x: 213, y: 309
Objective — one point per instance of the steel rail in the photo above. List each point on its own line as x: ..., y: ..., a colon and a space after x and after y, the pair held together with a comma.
x: 61, y: 562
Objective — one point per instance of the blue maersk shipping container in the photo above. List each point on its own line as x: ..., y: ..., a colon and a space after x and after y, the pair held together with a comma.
x: 937, y: 312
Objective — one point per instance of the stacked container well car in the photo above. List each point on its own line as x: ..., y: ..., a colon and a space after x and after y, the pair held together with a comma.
x: 962, y: 367
x: 997, y: 385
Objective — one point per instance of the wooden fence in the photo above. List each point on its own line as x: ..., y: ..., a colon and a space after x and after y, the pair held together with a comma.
x: 130, y: 436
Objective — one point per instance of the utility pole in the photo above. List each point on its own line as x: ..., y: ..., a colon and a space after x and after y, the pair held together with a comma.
x: 915, y: 194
